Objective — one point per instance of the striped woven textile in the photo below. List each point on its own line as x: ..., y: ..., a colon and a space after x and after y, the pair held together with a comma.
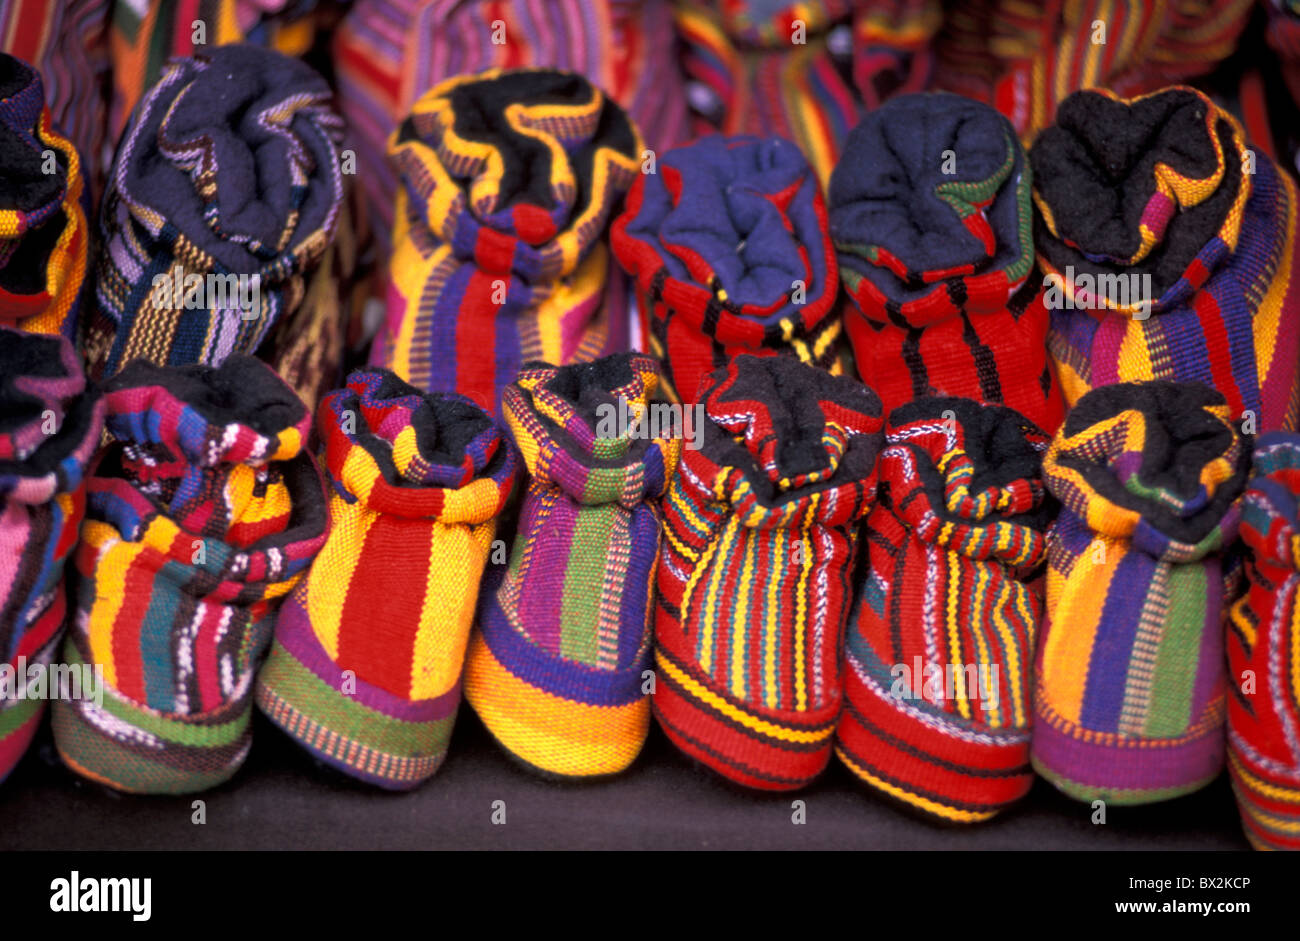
x: 65, y: 42
x: 509, y: 180
x: 747, y: 73
x: 556, y: 670
x: 755, y: 582
x: 940, y: 644
x: 1263, y: 636
x: 203, y: 512
x: 1129, y: 704
x: 227, y: 180
x: 387, y: 53
x: 931, y: 217
x: 146, y: 33
x: 365, y: 669
x: 49, y: 429
x: 43, y: 229
x: 1283, y: 37
x: 892, y: 51
x: 727, y: 244
x: 1170, y: 260
x: 1026, y: 58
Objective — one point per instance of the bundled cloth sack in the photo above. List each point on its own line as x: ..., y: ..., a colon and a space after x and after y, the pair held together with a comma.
x: 756, y: 577
x: 509, y: 180
x: 365, y: 668
x: 43, y: 230
x: 223, y: 197
x: 727, y: 243
x: 940, y: 646
x: 1129, y: 704
x: 203, y: 512
x: 931, y: 217
x: 1170, y: 251
x: 386, y: 55
x: 1263, y: 636
x: 49, y: 429
x: 557, y: 670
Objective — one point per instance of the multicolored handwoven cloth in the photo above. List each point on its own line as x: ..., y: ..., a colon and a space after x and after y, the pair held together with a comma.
x: 727, y: 242
x: 203, y: 512
x: 49, y: 429
x: 365, y: 669
x: 1263, y: 640
x: 1129, y: 704
x: 556, y: 671
x: 892, y: 53
x: 940, y: 645
x: 387, y: 53
x: 224, y: 195
x: 1025, y: 58
x: 43, y: 229
x: 509, y: 180
x: 931, y: 216
x: 1170, y: 251
x: 755, y: 582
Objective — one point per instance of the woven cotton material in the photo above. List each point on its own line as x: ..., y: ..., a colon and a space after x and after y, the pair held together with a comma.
x: 931, y: 216
x: 940, y: 645
x: 892, y: 52
x: 203, y: 512
x: 1025, y: 58
x: 1129, y: 705
x: 49, y: 428
x: 509, y: 180
x: 1263, y: 636
x: 387, y: 53
x: 755, y: 582
x: 228, y: 171
x: 1152, y: 199
x: 43, y: 230
x: 727, y: 243
x: 365, y: 669
x: 556, y: 670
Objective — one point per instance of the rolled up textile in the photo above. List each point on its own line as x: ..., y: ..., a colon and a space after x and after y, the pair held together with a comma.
x: 365, y: 670
x: 1167, y: 257
x: 203, y: 512
x: 939, y: 648
x: 556, y: 670
x: 1264, y: 692
x: 223, y: 197
x: 892, y: 52
x: 930, y: 214
x: 49, y: 429
x: 772, y: 69
x: 727, y: 243
x: 387, y: 53
x: 43, y: 230
x: 509, y: 180
x: 755, y: 582
x: 1129, y: 703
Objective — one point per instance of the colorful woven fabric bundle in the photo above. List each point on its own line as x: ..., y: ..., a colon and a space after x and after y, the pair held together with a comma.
x: 365, y: 669
x: 1263, y: 663
x: 755, y: 582
x: 1169, y: 258
x: 43, y: 230
x: 509, y: 179
x: 65, y: 43
x: 772, y: 68
x: 727, y: 242
x: 1129, y: 705
x: 939, y: 648
x: 556, y: 670
x: 891, y: 47
x: 390, y: 52
x: 931, y: 216
x: 203, y: 511
x: 1025, y: 58
x: 224, y: 195
x: 49, y: 429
